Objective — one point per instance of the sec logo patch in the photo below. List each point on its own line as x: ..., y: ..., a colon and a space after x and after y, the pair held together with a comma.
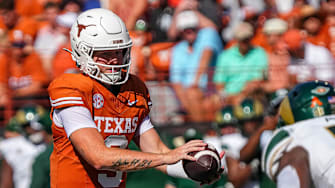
x: 98, y: 101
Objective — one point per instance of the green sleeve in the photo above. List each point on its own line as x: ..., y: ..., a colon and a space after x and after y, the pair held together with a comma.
x: 41, y: 170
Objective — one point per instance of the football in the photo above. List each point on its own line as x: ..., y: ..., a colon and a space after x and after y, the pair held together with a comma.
x: 206, y: 166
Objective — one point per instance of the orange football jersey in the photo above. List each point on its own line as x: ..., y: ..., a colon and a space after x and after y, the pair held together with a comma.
x: 18, y: 75
x: 116, y: 117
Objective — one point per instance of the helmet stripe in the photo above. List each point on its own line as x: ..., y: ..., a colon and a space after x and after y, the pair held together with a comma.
x: 285, y: 111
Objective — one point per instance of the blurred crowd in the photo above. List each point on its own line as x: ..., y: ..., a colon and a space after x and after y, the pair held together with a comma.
x: 196, y: 55
x: 242, y: 131
x: 200, y: 58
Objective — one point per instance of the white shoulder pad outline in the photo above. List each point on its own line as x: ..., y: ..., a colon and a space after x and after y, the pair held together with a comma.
x: 274, y: 151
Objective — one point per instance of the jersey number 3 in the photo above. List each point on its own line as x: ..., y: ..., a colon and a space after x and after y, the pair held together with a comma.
x: 113, y: 141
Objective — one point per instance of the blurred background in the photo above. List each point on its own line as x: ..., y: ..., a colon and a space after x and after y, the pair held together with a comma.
x: 216, y: 69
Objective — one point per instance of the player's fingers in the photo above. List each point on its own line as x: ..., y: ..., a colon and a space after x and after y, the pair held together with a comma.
x: 189, y: 157
x: 194, y: 148
x: 195, y: 144
x: 191, y: 148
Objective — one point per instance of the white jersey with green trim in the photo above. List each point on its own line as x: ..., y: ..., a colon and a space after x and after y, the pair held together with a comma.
x: 317, y: 137
x: 20, y: 155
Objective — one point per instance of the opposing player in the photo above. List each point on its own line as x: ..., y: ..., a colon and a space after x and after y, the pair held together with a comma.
x: 302, y: 154
x: 97, y: 113
x: 20, y: 148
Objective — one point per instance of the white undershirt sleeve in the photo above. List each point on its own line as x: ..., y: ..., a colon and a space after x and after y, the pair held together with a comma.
x: 144, y: 126
x: 73, y: 119
x: 288, y: 177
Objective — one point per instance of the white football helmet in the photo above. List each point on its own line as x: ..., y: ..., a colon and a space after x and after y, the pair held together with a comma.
x: 99, y: 30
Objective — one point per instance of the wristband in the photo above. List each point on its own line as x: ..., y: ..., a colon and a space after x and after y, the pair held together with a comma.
x: 176, y: 170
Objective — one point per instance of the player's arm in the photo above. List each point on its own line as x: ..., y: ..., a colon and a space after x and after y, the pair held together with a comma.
x: 6, y: 176
x: 89, y: 143
x: 294, y: 169
x: 239, y: 172
x: 152, y: 143
x: 249, y: 151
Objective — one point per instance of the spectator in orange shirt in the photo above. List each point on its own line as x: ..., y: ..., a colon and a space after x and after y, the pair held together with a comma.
x: 71, y: 6
x: 278, y: 55
x: 29, y: 8
x: 273, y: 30
x: 21, y: 70
x: 278, y: 75
x: 57, y: 35
x: 140, y: 51
x: 13, y: 24
x: 62, y: 61
x: 308, y: 61
x: 3, y: 85
x: 50, y: 12
x: 48, y: 34
x: 328, y: 7
x: 311, y: 23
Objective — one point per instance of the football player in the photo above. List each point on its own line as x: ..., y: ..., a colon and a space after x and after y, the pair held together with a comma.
x: 22, y: 145
x: 97, y: 113
x: 301, y: 154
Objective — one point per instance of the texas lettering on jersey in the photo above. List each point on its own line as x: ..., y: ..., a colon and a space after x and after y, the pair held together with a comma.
x: 117, y: 118
x: 116, y: 125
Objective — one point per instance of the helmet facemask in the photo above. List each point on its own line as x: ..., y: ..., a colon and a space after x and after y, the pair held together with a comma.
x: 118, y: 73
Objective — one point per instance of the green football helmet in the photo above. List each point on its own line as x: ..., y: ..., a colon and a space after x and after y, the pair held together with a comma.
x: 35, y: 116
x: 307, y: 100
x: 249, y: 110
x: 192, y: 134
x: 14, y: 126
x: 225, y: 117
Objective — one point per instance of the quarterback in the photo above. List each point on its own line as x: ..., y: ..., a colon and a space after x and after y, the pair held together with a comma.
x: 302, y: 154
x: 97, y: 113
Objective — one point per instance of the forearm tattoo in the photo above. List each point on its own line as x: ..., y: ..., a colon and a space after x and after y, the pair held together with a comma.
x: 136, y: 164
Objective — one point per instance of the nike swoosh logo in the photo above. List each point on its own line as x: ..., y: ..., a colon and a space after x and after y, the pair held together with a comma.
x: 131, y: 103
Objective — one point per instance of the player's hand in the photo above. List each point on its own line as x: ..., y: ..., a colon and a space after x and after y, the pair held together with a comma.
x: 218, y: 174
x: 181, y: 152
